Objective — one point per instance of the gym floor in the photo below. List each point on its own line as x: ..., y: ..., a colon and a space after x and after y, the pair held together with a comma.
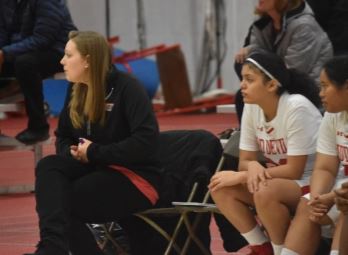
x: 18, y: 220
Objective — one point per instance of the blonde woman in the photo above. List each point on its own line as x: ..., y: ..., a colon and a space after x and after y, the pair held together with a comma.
x: 105, y: 168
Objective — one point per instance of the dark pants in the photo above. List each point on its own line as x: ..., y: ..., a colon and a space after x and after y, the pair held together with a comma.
x: 30, y: 69
x: 70, y: 194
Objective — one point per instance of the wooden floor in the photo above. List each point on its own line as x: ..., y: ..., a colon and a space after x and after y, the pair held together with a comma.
x: 18, y: 220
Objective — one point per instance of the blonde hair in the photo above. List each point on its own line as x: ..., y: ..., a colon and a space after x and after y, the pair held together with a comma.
x: 88, y: 102
x: 282, y: 6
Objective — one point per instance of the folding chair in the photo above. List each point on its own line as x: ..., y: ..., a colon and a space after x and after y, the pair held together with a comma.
x: 189, y: 159
x: 231, y: 148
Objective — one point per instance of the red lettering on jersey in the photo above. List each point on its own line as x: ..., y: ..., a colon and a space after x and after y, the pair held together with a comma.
x: 342, y: 153
x: 269, y: 130
x: 276, y: 146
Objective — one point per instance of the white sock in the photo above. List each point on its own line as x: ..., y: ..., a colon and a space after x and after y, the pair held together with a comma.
x: 334, y: 252
x: 255, y: 236
x: 286, y: 251
x: 277, y: 248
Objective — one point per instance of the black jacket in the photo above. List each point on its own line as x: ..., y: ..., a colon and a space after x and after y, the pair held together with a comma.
x: 32, y: 25
x: 129, y: 137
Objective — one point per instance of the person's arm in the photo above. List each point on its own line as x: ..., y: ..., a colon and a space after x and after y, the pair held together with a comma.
x: 325, y: 169
x: 257, y: 34
x: 260, y: 35
x: 327, y: 162
x: 304, y: 48
x: 141, y: 145
x: 322, y: 181
x: 48, y: 20
x: 230, y: 178
x: 251, y: 170
x: 248, y: 146
x: 324, y: 174
x: 301, y: 123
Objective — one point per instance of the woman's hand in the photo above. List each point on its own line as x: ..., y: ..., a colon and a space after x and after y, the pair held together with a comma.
x: 79, y: 152
x: 82, y: 149
x: 241, y: 55
x: 256, y: 174
x: 226, y: 178
x: 341, y: 198
x: 319, y: 206
x: 73, y: 152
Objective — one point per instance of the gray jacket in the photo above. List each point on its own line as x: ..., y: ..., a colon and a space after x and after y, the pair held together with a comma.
x: 301, y: 42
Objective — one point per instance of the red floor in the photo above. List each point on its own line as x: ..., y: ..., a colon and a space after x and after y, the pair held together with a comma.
x: 18, y: 221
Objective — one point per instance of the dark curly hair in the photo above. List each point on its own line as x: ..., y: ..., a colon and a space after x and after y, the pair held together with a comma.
x: 291, y: 80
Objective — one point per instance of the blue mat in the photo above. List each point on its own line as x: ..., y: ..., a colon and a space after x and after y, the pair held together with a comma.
x: 145, y: 70
x: 54, y: 94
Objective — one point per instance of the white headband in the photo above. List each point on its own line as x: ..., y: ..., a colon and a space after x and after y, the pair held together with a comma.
x: 263, y: 70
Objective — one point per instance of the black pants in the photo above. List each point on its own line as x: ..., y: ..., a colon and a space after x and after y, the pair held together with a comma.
x: 30, y: 69
x: 70, y: 194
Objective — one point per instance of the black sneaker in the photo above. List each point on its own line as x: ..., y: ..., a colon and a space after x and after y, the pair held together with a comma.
x: 28, y: 136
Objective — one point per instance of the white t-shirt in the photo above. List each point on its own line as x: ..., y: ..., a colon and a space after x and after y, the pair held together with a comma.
x: 333, y: 138
x: 293, y: 131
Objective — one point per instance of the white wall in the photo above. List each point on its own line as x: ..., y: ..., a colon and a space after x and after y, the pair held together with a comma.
x: 169, y: 22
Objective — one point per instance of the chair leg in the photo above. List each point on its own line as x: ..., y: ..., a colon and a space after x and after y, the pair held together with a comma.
x: 160, y: 230
x: 192, y: 235
x: 109, y: 237
x: 188, y: 226
x: 103, y: 237
x: 181, y: 220
x: 175, y: 233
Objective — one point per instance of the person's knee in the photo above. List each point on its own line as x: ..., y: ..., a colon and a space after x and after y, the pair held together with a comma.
x: 46, y: 164
x: 220, y: 195
x: 265, y: 195
x: 24, y: 64
x: 216, y: 195
x: 302, y: 209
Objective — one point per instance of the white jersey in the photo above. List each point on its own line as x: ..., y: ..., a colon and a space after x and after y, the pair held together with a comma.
x: 292, y: 132
x: 333, y: 138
